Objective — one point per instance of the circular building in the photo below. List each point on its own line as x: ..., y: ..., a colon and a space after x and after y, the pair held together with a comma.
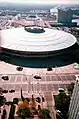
x: 36, y: 41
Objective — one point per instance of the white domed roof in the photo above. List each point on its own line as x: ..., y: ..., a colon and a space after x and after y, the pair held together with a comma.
x: 22, y: 40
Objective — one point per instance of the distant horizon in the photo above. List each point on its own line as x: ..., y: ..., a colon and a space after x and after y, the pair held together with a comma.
x: 16, y: 6
x: 38, y: 4
x: 43, y: 2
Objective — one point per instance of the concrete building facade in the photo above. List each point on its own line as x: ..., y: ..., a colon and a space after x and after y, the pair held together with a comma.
x: 74, y: 103
x: 65, y: 15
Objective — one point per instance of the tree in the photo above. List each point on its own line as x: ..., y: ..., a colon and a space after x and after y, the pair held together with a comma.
x: 32, y: 103
x: 2, y: 100
x: 70, y: 88
x: 15, y: 100
x: 44, y: 114
x: 27, y: 108
x: 23, y: 112
x: 62, y: 102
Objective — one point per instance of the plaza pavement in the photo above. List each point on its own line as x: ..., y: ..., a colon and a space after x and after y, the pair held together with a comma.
x: 50, y: 80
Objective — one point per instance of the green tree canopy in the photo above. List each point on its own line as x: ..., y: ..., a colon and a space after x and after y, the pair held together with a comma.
x: 24, y: 112
x: 70, y: 88
x: 2, y: 100
x: 62, y: 102
x: 44, y: 114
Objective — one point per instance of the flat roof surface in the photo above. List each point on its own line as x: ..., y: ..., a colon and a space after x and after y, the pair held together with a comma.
x: 21, y: 40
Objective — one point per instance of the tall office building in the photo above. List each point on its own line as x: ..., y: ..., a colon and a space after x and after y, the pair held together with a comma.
x: 74, y: 103
x: 65, y: 15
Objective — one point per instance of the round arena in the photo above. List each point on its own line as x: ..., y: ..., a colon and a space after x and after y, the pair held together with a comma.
x: 33, y: 41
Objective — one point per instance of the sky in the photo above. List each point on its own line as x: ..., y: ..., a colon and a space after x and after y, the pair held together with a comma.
x: 43, y: 1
